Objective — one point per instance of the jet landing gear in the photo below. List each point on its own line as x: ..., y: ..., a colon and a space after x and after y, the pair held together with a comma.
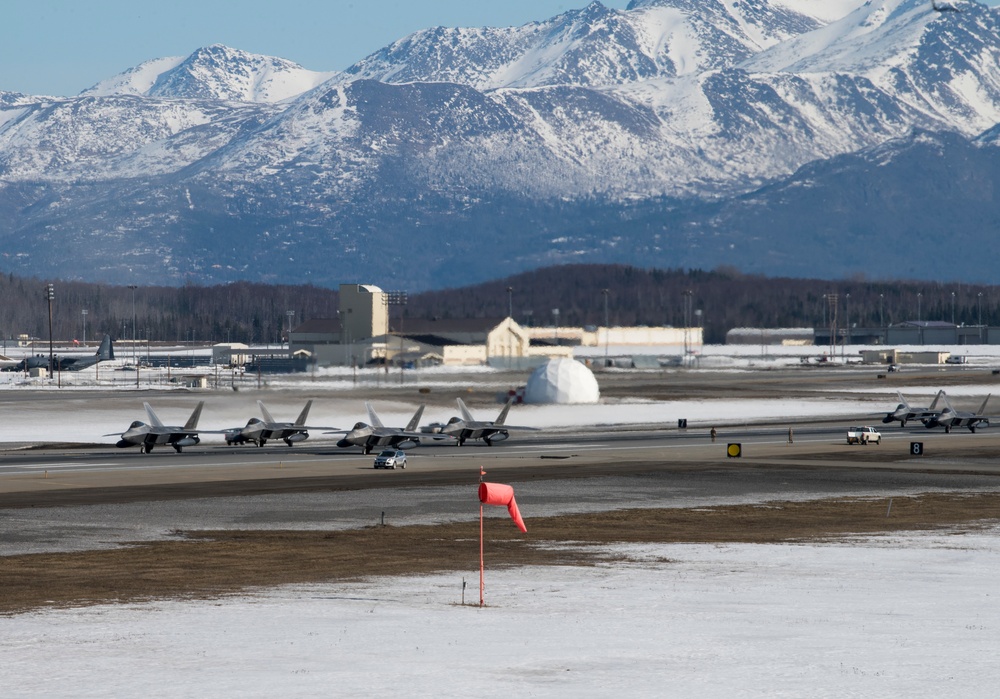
x: 145, y: 448
x: 178, y: 448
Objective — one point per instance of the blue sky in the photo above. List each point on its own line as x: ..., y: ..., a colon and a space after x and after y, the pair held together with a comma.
x: 60, y: 47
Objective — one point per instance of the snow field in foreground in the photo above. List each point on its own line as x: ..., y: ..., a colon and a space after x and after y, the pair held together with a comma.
x: 908, y: 616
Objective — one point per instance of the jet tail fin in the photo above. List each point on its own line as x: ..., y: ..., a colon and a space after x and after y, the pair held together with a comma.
x: 982, y: 408
x: 414, y: 422
x: 939, y: 397
x: 373, y: 416
x: 192, y: 423
x: 503, y: 412
x: 106, y: 351
x: 304, y: 415
x: 264, y: 412
x: 902, y: 401
x: 153, y: 420
x: 466, y: 415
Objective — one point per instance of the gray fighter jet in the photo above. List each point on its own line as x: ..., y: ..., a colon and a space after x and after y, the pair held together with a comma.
x: 904, y: 412
x: 368, y: 436
x: 148, y: 436
x: 948, y: 417
x: 104, y: 353
x: 467, y: 427
x: 259, y: 431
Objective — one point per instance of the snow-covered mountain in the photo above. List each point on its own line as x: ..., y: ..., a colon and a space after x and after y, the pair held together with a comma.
x: 594, y: 46
x: 553, y: 137
x: 214, y: 73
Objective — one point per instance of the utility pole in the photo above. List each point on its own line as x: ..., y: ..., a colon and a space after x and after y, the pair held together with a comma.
x: 84, y: 312
x: 510, y: 302
x: 291, y: 315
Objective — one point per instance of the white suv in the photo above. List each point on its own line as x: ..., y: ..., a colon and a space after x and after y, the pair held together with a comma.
x: 391, y: 458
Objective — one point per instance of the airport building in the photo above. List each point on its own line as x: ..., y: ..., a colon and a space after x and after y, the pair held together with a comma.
x: 365, y: 332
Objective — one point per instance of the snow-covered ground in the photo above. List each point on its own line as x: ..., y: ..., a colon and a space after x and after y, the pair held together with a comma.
x: 898, y: 616
x: 32, y: 421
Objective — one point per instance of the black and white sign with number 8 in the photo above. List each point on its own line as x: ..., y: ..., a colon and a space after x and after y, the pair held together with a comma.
x: 916, y: 448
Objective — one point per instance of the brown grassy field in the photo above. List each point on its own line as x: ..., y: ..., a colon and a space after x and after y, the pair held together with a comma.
x: 202, y: 564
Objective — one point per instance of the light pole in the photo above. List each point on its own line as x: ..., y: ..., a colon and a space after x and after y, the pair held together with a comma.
x: 398, y: 298
x: 84, y: 312
x: 847, y: 311
x: 135, y: 363
x: 919, y: 298
x: 555, y: 320
x: 687, y: 293
x: 605, y: 292
x: 953, y: 308
x: 291, y: 315
x: 50, y: 294
x: 510, y: 302
x: 979, y: 306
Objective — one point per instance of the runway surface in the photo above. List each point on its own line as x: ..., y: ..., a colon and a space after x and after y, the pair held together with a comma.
x: 58, y: 500
x: 71, y: 497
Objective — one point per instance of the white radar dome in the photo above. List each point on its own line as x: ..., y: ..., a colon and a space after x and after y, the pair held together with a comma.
x: 562, y: 381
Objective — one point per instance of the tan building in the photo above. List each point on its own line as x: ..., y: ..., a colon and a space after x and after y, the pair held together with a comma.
x: 364, y: 312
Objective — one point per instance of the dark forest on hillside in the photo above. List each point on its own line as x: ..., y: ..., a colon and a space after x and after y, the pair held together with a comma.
x: 726, y: 299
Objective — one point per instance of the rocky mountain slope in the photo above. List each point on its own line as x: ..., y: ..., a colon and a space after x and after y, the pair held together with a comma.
x: 673, y: 133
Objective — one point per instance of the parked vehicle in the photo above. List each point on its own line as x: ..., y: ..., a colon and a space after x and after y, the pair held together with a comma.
x: 391, y: 458
x: 863, y: 435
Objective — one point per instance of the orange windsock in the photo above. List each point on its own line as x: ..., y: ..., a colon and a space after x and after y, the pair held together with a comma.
x: 499, y: 494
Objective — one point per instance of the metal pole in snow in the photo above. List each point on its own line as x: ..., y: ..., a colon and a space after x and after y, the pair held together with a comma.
x: 482, y: 585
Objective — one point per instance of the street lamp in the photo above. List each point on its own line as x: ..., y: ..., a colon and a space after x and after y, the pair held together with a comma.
x: 291, y: 315
x: 84, y: 312
x: 919, y: 297
x: 953, y: 308
x: 510, y: 302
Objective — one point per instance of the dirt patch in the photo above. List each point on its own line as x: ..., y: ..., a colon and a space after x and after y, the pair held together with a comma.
x: 212, y: 564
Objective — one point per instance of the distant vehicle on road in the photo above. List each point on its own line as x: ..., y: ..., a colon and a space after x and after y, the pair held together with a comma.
x: 863, y: 435
x: 391, y: 458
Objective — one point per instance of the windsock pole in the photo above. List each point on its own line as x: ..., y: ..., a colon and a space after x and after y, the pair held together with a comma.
x: 482, y: 567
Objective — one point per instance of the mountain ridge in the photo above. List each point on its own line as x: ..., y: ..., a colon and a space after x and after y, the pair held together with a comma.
x: 545, y: 142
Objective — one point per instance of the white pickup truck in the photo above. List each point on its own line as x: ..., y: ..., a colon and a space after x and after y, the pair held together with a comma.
x: 863, y: 435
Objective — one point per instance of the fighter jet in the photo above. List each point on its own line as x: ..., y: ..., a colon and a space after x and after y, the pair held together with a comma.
x: 259, y: 431
x: 148, y: 436
x: 948, y: 417
x: 104, y: 353
x: 467, y: 427
x: 368, y: 436
x: 904, y: 411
